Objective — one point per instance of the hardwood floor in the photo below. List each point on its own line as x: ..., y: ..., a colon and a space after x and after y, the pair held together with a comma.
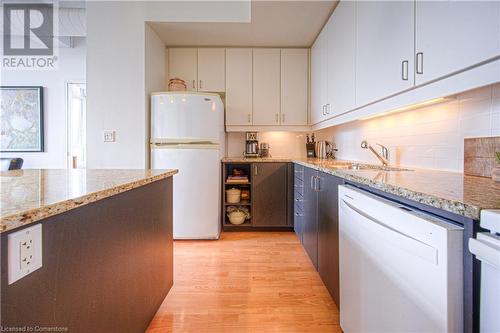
x: 245, y: 282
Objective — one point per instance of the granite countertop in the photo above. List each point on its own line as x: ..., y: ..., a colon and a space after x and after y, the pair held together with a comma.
x: 31, y: 195
x: 451, y: 191
x: 257, y: 159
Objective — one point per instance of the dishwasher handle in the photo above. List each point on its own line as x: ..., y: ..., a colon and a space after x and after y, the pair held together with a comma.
x: 419, y: 248
x: 486, y: 250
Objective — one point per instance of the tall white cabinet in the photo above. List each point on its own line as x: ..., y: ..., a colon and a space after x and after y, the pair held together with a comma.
x: 333, y: 69
x: 452, y: 35
x: 294, y: 86
x: 211, y: 69
x: 319, y: 77
x: 267, y: 89
x: 384, y: 49
x: 266, y: 86
x: 238, y: 86
x: 341, y: 56
x: 183, y: 64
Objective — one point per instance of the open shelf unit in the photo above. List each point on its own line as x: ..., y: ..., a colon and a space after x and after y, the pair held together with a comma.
x: 227, y: 170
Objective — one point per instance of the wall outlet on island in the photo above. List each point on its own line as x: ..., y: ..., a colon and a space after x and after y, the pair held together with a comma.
x: 24, y: 251
x: 108, y: 136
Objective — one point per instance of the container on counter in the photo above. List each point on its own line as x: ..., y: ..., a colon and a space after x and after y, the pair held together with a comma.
x: 233, y: 195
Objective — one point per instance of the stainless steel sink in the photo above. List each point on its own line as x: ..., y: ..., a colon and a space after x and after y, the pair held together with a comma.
x: 358, y: 166
x: 362, y: 166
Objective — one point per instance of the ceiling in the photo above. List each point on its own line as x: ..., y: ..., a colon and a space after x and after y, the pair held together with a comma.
x: 273, y: 23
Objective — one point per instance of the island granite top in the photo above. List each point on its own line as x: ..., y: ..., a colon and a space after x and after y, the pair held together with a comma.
x: 31, y: 195
x: 450, y: 191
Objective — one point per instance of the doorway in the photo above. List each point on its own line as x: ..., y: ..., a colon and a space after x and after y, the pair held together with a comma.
x: 76, y: 125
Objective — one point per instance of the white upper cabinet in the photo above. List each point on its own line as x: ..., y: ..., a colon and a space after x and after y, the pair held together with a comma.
x: 453, y: 35
x: 319, y: 77
x: 341, y: 59
x: 211, y: 69
x: 182, y: 63
x: 384, y: 49
x: 294, y: 86
x: 238, y: 87
x: 266, y: 86
x: 374, y: 56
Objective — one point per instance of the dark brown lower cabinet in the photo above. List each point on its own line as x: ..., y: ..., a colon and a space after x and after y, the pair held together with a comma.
x: 317, y: 223
x: 270, y: 194
x: 328, y: 233
x: 310, y: 216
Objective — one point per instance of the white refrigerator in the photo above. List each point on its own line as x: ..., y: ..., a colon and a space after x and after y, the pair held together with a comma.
x: 187, y: 133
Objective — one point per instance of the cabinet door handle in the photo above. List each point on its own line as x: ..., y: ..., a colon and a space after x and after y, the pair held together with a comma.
x: 312, y: 182
x: 283, y: 118
x: 323, y: 109
x: 404, y: 70
x: 277, y: 117
x: 255, y: 170
x: 328, y: 108
x: 420, y: 63
x: 194, y: 84
x: 200, y: 85
x: 249, y: 118
x: 317, y: 183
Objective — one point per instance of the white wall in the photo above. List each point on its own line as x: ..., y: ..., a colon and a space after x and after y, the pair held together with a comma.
x: 71, y: 68
x: 155, y: 57
x: 116, y: 68
x: 283, y: 144
x: 430, y: 137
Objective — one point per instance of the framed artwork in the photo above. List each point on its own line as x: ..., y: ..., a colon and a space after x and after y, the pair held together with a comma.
x: 21, y: 118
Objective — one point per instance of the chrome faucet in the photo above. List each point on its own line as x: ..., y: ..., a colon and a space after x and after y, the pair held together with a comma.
x: 384, y: 158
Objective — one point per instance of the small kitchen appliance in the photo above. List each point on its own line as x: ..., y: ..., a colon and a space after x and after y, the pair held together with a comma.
x: 310, y: 146
x: 323, y: 149
x: 264, y: 150
x: 251, y: 145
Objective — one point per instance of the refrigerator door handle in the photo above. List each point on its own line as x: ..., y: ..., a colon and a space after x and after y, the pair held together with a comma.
x: 186, y: 146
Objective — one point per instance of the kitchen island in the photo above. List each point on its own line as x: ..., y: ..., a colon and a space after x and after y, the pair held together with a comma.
x: 106, y: 248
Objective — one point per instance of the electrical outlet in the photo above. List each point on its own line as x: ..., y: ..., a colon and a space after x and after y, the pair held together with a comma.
x: 27, y: 252
x: 108, y: 136
x: 24, y: 250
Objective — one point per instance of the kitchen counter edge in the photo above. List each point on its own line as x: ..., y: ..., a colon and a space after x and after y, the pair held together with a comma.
x: 452, y: 206
x: 29, y: 216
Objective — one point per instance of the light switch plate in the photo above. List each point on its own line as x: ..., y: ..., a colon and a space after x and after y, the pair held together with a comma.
x: 24, y: 251
x: 108, y: 136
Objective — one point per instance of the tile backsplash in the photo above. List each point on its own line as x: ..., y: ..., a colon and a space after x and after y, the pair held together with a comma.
x: 428, y: 137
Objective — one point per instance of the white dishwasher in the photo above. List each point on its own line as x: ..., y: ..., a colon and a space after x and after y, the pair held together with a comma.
x: 486, y: 248
x: 400, y: 268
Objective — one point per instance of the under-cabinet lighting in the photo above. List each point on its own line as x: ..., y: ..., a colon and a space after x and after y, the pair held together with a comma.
x: 411, y: 107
